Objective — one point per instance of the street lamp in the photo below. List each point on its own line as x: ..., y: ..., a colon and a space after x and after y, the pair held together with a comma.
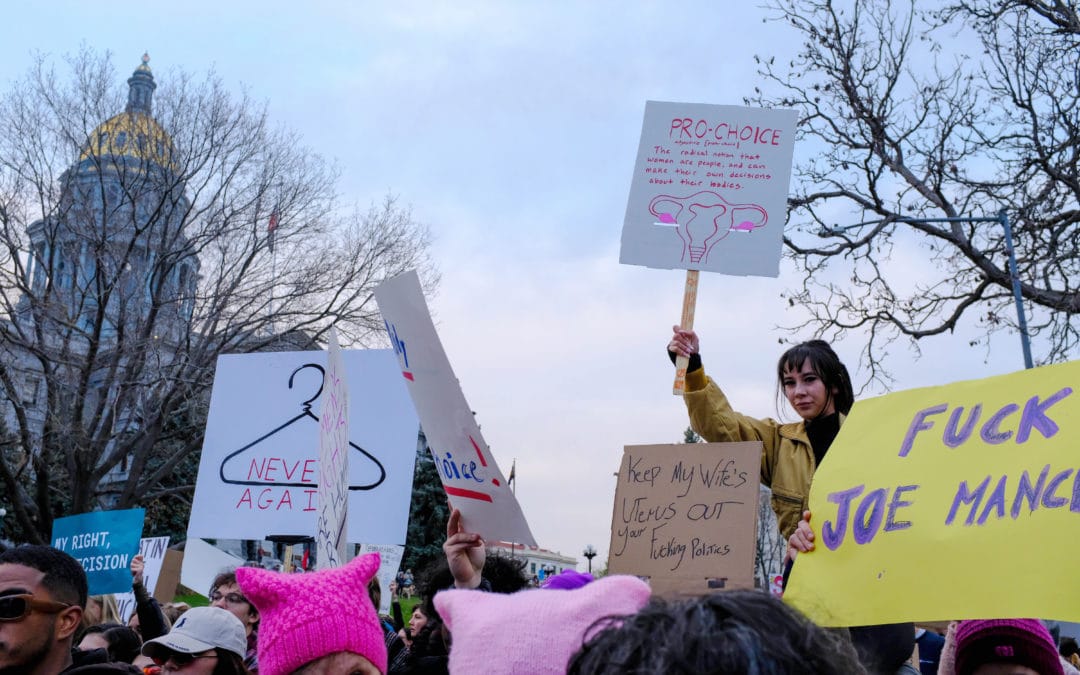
x: 589, y: 553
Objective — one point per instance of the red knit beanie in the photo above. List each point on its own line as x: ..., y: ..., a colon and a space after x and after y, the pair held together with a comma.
x: 1024, y: 642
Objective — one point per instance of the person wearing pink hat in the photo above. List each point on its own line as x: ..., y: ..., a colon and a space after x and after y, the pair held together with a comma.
x: 531, y: 632
x: 320, y: 623
x: 1005, y: 647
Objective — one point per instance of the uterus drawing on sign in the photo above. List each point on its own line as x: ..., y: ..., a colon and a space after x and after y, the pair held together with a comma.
x: 705, y: 218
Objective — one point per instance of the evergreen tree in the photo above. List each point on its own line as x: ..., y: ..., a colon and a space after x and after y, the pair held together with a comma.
x: 428, y: 511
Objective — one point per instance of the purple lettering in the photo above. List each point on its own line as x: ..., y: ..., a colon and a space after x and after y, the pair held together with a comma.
x: 996, y: 501
x: 990, y: 431
x: 869, y: 515
x: 897, y: 503
x: 1049, y: 499
x: 1028, y: 491
x: 834, y: 537
x: 952, y: 437
x: 918, y: 424
x: 965, y: 496
x: 1075, y: 505
x: 1034, y: 416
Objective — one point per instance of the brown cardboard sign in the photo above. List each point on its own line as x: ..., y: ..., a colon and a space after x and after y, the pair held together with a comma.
x: 169, y: 578
x: 685, y: 516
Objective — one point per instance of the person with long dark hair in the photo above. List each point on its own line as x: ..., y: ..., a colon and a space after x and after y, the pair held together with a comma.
x: 814, y: 382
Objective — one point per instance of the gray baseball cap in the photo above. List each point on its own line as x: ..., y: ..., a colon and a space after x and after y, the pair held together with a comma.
x: 198, y: 630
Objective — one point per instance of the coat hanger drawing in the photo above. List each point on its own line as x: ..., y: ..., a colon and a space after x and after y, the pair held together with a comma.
x: 306, y: 413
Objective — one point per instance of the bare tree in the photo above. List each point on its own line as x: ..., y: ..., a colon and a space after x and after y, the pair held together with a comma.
x: 907, y: 114
x: 769, y: 545
x: 137, y: 243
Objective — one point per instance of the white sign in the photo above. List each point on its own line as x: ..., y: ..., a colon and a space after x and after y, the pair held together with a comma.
x: 152, y: 549
x: 333, y: 462
x: 259, y: 471
x: 709, y: 190
x: 469, y: 474
x: 202, y: 562
x: 389, y: 562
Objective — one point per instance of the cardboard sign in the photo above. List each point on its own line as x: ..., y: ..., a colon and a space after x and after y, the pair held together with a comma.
x: 258, y: 475
x: 104, y: 542
x: 333, y: 463
x: 686, y: 516
x: 709, y: 190
x: 468, y: 471
x: 951, y: 502
x: 153, y: 550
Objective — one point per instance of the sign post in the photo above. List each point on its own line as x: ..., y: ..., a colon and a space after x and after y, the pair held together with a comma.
x: 709, y: 192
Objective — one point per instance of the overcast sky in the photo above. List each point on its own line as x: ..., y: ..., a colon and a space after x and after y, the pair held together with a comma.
x: 511, y: 128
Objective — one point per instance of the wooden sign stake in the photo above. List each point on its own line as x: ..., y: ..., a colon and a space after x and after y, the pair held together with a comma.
x: 689, y: 304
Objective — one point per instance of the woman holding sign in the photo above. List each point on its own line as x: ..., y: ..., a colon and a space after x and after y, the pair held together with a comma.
x: 818, y: 387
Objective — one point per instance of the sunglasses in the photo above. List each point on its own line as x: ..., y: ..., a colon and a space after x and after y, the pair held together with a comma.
x: 180, y: 659
x: 18, y: 607
x: 231, y: 598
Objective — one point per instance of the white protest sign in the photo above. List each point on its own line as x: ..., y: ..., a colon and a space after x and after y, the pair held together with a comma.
x: 152, y: 549
x: 468, y: 471
x: 258, y: 475
x: 709, y: 190
x: 389, y: 562
x: 203, y: 562
x: 333, y: 462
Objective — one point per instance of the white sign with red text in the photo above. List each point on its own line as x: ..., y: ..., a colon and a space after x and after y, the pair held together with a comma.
x: 259, y: 471
x: 469, y: 474
x: 709, y: 190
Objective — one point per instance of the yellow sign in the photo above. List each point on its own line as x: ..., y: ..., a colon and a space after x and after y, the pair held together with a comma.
x: 952, y: 502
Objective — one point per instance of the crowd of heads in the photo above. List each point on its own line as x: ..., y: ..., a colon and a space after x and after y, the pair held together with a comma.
x: 327, y: 622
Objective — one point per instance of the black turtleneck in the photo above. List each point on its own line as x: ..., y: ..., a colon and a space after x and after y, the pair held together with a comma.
x: 822, y: 431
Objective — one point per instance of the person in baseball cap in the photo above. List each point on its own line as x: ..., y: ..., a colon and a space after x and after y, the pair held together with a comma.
x: 204, y: 640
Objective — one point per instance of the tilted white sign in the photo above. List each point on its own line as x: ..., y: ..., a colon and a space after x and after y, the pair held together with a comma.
x: 333, y: 462
x: 469, y: 474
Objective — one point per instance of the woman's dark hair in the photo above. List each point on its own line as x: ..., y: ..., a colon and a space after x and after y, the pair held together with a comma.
x: 229, y: 663
x: 124, y: 643
x: 824, y: 361
x: 732, y: 632
x: 1068, y: 647
x: 503, y: 573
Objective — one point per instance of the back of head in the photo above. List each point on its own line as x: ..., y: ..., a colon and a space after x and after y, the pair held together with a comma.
x: 64, y: 577
x: 1023, y: 642
x: 884, y: 648
x: 124, y: 643
x: 306, y: 617
x: 824, y: 361
x: 736, y: 632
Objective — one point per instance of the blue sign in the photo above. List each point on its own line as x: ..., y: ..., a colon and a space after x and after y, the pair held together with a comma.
x: 104, y: 542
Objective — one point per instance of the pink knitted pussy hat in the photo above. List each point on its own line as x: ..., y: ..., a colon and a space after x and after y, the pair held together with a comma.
x: 307, y: 616
x: 534, y: 631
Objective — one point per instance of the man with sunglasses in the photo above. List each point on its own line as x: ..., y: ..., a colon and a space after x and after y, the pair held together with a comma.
x: 42, y: 596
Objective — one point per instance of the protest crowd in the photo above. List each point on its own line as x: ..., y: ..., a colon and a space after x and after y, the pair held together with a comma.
x: 478, y: 613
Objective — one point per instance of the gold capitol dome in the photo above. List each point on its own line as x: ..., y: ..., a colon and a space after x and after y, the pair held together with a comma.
x: 133, y: 134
